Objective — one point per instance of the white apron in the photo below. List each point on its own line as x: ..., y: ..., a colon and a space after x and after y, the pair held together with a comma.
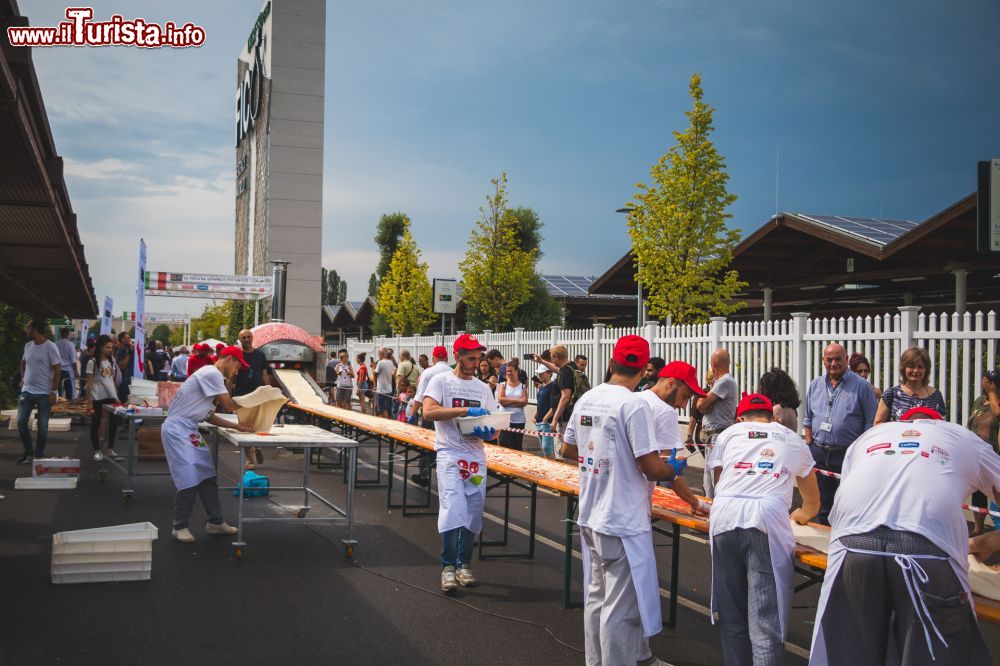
x: 190, y: 461
x: 461, y: 490
x: 913, y: 575
x: 642, y: 566
x: 780, y: 543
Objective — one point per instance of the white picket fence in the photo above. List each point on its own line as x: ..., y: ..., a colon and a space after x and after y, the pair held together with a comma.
x: 961, y: 347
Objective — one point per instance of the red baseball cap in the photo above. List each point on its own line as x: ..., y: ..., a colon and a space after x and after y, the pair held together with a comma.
x: 466, y: 343
x: 754, y: 401
x: 929, y: 412
x: 685, y: 372
x: 235, y: 352
x: 221, y: 345
x: 632, y: 351
x: 197, y: 346
x: 439, y: 352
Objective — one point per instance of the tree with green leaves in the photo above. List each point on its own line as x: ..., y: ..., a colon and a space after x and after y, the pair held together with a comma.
x: 333, y: 289
x: 496, y: 270
x: 12, y: 339
x: 212, y: 319
x: 404, y: 296
x: 162, y: 333
x: 540, y: 311
x: 678, y: 226
x: 388, y: 235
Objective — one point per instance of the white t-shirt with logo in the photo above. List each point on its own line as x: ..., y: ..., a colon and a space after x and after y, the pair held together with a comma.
x: 611, y: 426
x: 195, y: 399
x: 343, y: 371
x: 426, y: 376
x: 451, y: 391
x: 914, y: 476
x: 104, y: 380
x: 757, y: 459
x: 384, y: 370
x: 668, y: 432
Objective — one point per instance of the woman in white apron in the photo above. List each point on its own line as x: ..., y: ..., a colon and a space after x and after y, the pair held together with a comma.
x: 754, y: 463
x: 189, y: 458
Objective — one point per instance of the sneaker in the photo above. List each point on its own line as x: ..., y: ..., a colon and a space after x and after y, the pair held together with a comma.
x: 98, y: 456
x: 25, y: 459
x: 221, y: 528
x: 183, y: 535
x: 420, y: 481
x: 448, y: 580
x: 114, y: 456
x: 465, y: 577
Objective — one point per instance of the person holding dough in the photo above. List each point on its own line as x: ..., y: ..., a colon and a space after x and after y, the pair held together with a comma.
x: 189, y: 459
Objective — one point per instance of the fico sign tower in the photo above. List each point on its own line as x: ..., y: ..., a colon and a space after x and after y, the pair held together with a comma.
x: 279, y: 150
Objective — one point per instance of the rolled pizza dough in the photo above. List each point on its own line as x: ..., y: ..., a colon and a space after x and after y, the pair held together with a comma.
x: 259, y: 408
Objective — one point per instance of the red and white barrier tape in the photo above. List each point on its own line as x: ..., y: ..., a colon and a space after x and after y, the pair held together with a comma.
x: 534, y: 433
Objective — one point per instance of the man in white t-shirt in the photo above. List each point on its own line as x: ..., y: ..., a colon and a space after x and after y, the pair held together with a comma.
x: 67, y: 370
x: 899, y: 545
x: 675, y: 385
x: 755, y: 464
x: 461, y: 459
x: 188, y: 457
x: 426, y: 460
x: 40, y: 374
x: 385, y: 369
x: 610, y: 433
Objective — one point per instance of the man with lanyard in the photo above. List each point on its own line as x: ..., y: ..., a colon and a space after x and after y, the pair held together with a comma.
x: 461, y: 459
x: 440, y: 356
x: 718, y: 408
x: 754, y: 463
x: 189, y: 459
x: 251, y: 378
x: 897, y: 568
x: 839, y: 407
x: 610, y: 433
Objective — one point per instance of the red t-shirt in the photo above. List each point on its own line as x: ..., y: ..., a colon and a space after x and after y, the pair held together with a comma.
x: 195, y: 363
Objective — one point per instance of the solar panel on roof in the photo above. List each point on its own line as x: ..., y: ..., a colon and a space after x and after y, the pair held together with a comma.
x: 875, y: 230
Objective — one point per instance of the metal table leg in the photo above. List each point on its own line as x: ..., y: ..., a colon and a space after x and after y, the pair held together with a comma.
x: 571, y: 502
x: 240, y: 543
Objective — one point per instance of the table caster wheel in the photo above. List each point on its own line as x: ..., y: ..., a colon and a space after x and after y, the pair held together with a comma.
x: 103, y: 475
x: 349, y: 550
x: 238, y: 553
x: 302, y: 512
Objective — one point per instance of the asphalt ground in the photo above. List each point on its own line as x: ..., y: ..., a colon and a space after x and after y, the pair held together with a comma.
x: 294, y: 596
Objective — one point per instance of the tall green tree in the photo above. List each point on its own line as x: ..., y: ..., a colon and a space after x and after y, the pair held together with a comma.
x: 388, y: 235
x: 678, y: 228
x: 12, y: 340
x: 496, y: 271
x: 404, y: 297
x: 162, y: 333
x: 333, y: 289
x: 540, y: 310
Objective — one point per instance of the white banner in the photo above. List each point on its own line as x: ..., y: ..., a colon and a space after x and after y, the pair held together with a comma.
x: 140, y: 309
x: 106, y: 315
x: 159, y: 318
x: 84, y: 332
x: 203, y: 285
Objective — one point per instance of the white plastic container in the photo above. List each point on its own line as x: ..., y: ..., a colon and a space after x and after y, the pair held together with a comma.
x: 55, y: 424
x: 498, y: 420
x: 138, y: 555
x: 104, y: 554
x: 142, y: 387
x: 114, y: 577
x: 53, y: 468
x: 102, y: 567
x: 45, y: 483
x: 113, y: 533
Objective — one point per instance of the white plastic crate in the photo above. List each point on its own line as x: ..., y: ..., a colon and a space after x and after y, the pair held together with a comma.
x: 101, y: 567
x: 498, y: 420
x: 114, y: 577
x: 72, y: 557
x: 110, y: 534
x: 54, y: 468
x: 55, y: 424
x: 45, y: 483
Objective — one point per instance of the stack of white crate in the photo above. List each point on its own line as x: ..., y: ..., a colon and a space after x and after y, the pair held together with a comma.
x: 104, y: 554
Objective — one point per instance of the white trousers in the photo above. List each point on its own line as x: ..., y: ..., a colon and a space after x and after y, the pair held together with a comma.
x: 612, y: 625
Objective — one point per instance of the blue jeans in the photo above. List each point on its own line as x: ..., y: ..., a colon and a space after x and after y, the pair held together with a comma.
x: 547, y: 443
x: 456, y: 547
x: 25, y: 403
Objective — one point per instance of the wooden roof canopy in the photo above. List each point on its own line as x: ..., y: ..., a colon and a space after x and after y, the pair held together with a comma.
x: 43, y: 270
x: 831, y: 264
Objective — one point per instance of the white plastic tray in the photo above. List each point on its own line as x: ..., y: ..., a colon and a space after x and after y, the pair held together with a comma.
x: 101, y: 567
x: 137, y: 555
x: 129, y: 532
x: 45, y: 483
x: 498, y: 420
x: 116, y: 577
x: 103, y: 547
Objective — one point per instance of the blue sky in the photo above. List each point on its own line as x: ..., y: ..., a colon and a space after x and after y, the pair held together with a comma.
x: 876, y: 108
